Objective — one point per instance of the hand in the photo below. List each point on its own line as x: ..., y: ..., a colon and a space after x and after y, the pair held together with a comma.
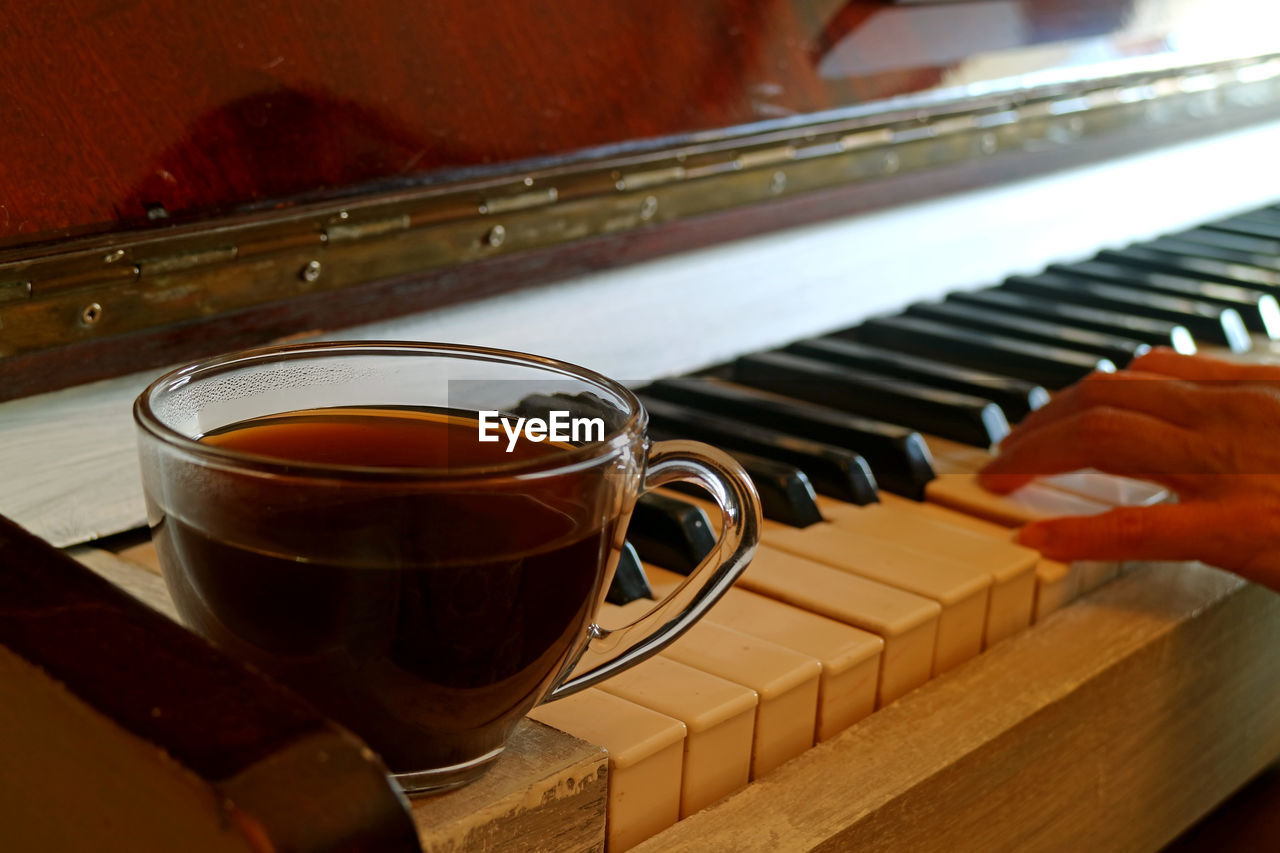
x: 1207, y: 429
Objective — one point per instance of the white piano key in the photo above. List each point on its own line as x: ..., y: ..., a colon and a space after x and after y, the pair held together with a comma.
x: 1012, y: 567
x: 718, y: 714
x: 1032, y: 502
x: 1108, y: 489
x: 907, y: 623
x: 850, y: 657
x: 646, y: 751
x: 786, y: 682
x: 1057, y: 584
x: 961, y: 590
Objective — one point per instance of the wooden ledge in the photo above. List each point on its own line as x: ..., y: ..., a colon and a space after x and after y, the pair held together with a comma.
x: 1114, y: 724
x: 547, y: 786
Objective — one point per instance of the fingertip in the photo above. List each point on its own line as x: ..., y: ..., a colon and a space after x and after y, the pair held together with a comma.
x: 1155, y: 354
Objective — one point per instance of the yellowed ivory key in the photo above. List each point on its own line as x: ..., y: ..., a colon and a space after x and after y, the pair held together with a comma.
x: 1057, y: 583
x: 907, y: 623
x: 786, y: 682
x: 646, y: 751
x: 1012, y: 567
x: 961, y: 591
x: 850, y: 657
x: 719, y: 715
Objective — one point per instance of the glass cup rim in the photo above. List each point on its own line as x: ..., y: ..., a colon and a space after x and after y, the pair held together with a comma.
x: 549, y: 465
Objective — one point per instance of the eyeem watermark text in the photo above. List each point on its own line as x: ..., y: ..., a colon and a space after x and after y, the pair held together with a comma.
x: 558, y: 426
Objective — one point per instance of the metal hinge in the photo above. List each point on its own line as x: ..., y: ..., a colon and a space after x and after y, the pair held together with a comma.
x: 12, y: 291
x: 765, y: 157
x: 346, y: 231
x: 520, y: 201
x: 653, y: 178
x: 163, y: 264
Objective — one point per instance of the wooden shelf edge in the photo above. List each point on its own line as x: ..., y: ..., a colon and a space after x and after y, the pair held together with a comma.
x: 1116, y: 723
x: 547, y: 785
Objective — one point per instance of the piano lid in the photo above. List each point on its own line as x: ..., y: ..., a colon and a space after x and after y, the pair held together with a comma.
x: 139, y: 115
x: 180, y: 180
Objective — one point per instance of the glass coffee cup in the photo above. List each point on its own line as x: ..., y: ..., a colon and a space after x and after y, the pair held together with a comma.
x: 416, y: 537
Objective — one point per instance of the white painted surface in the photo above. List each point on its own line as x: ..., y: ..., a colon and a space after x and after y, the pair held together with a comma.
x: 67, y: 460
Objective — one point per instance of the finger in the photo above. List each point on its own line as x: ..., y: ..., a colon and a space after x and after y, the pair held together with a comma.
x: 1163, y: 532
x: 1216, y: 533
x: 1235, y: 421
x: 1113, y: 440
x: 1002, y: 484
x: 1202, y: 368
x: 1151, y: 394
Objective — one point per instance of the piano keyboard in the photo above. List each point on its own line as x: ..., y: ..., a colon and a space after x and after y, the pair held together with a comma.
x: 882, y: 562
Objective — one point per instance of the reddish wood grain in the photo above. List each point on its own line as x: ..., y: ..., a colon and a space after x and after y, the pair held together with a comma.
x: 114, y: 109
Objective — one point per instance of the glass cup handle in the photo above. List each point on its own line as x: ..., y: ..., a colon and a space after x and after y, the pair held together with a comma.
x: 717, y: 472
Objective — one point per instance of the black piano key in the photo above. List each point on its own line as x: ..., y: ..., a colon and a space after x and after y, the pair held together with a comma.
x: 834, y: 471
x: 1016, y: 397
x: 1212, y: 323
x: 1267, y: 213
x: 960, y: 417
x: 1250, y: 226
x: 1222, y: 254
x: 581, y: 405
x: 671, y: 533
x: 1259, y: 246
x: 1259, y: 310
x: 786, y: 493
x: 1158, y: 333
x: 1195, y: 266
x: 898, y: 456
x: 1049, y: 366
x: 675, y: 508
x: 629, y: 582
x: 1119, y: 351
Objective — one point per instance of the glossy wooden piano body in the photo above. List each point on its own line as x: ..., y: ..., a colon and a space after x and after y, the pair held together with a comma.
x: 1115, y: 723
x: 222, y: 189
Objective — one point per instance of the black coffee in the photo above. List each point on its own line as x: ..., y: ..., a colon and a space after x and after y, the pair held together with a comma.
x: 427, y: 621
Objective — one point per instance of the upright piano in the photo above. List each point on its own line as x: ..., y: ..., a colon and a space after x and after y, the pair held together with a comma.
x: 977, y: 202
